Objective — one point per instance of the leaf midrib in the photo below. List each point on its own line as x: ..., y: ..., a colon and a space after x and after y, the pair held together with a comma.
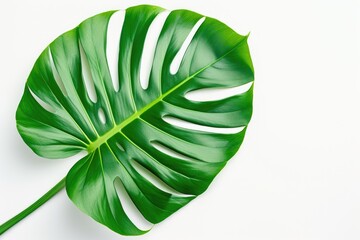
x: 104, y: 138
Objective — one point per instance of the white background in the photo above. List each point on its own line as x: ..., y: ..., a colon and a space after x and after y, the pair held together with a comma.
x: 297, y: 175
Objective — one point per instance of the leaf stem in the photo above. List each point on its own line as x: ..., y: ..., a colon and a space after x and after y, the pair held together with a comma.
x: 52, y: 192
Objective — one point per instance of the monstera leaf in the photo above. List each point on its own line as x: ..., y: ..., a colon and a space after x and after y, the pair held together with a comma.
x: 138, y: 123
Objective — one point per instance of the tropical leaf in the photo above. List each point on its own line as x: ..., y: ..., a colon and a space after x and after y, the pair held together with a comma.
x: 139, y: 126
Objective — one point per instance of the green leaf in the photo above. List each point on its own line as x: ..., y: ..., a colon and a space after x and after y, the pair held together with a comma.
x: 132, y: 133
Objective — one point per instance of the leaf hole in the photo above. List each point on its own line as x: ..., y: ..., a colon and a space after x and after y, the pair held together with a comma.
x: 149, y: 48
x: 155, y: 180
x: 87, y: 78
x: 120, y: 147
x: 43, y: 104
x: 215, y: 94
x: 56, y: 75
x: 114, y: 30
x: 197, y: 127
x: 101, y: 115
x: 129, y: 207
x: 175, y: 64
x: 168, y: 151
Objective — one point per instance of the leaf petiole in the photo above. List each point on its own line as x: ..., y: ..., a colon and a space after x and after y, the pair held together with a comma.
x: 46, y: 197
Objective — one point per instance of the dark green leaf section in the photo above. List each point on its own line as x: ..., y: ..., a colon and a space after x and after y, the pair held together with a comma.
x: 69, y: 121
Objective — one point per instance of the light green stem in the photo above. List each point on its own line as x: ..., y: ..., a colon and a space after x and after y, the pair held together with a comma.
x: 52, y: 192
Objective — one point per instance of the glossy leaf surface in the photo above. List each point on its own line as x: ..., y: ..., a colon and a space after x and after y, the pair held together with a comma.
x: 74, y: 101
